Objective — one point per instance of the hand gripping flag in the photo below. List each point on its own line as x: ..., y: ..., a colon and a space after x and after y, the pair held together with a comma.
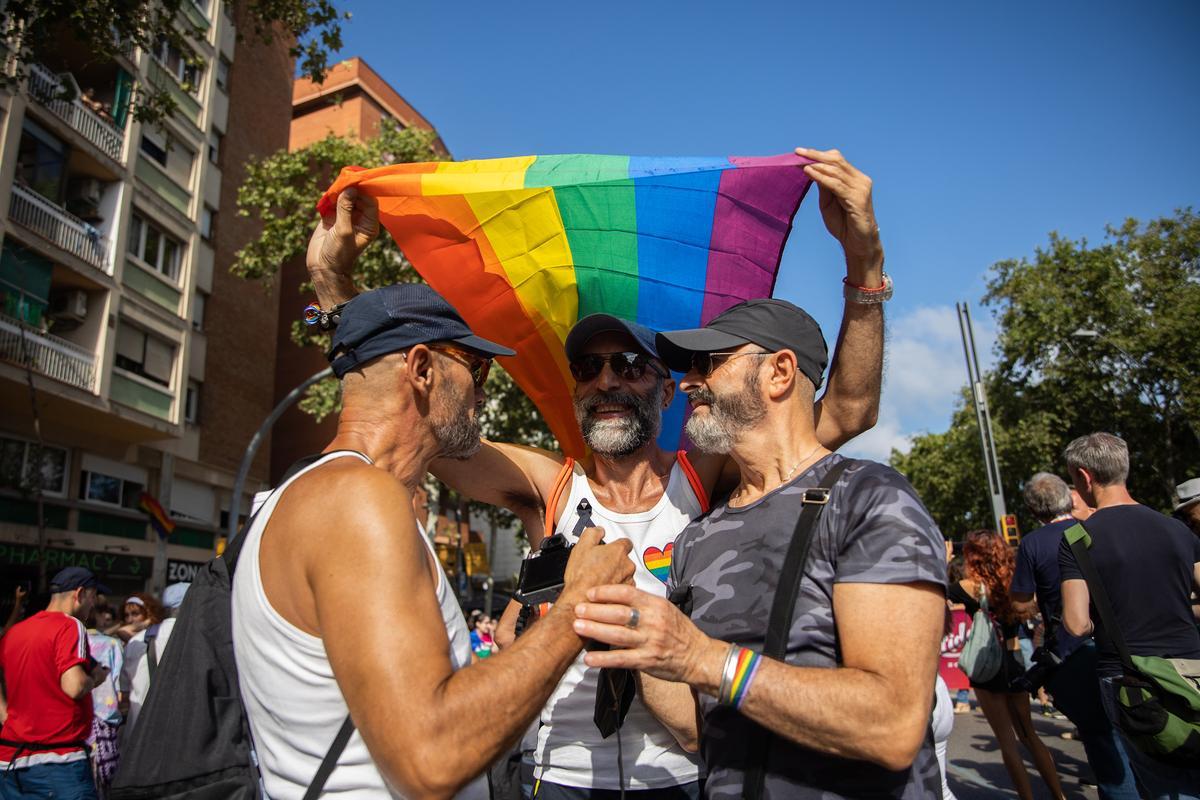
x: 524, y: 247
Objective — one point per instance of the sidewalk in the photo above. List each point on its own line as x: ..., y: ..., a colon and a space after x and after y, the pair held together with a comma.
x: 977, y: 772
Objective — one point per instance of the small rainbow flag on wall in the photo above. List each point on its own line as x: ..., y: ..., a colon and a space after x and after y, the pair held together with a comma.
x: 160, y: 520
x: 524, y: 247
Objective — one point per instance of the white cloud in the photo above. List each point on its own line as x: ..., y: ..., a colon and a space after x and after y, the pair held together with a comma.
x: 924, y: 372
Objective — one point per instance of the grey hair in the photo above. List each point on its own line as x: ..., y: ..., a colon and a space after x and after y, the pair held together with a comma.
x: 1105, y: 456
x: 1047, y: 496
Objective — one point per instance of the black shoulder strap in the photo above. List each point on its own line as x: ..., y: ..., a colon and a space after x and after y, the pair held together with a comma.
x: 1080, y: 540
x: 330, y: 761
x: 783, y: 608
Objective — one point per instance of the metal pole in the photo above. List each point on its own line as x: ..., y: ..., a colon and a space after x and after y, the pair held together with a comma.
x: 235, y: 502
x: 983, y: 417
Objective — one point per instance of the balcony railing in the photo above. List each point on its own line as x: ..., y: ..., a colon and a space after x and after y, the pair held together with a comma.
x: 60, y: 227
x: 53, y: 357
x: 47, y: 89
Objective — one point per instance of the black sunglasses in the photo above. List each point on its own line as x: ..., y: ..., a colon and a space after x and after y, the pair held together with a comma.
x: 708, y: 363
x: 626, y: 366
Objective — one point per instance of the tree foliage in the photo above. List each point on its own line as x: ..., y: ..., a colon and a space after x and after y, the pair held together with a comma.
x: 106, y: 29
x: 1090, y: 338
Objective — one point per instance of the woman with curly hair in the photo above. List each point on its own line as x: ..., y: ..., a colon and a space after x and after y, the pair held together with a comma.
x: 989, y: 564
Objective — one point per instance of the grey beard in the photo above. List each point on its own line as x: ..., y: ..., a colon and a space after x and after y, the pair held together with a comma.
x: 458, y: 437
x: 727, y: 418
x: 620, y: 437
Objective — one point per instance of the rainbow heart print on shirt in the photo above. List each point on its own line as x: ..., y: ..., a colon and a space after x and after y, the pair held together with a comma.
x: 658, y: 561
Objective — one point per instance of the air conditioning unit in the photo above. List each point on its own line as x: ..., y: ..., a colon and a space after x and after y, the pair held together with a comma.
x: 69, y: 307
x: 83, y: 197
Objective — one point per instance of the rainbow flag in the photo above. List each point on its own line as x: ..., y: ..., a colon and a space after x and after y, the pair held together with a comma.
x: 523, y: 247
x: 160, y: 520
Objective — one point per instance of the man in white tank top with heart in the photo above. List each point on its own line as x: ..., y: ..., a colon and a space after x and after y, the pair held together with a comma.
x: 628, y: 485
x: 340, y: 606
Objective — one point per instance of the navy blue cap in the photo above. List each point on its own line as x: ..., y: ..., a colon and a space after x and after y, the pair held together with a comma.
x: 396, y: 317
x: 770, y: 323
x: 594, y: 324
x: 71, y: 578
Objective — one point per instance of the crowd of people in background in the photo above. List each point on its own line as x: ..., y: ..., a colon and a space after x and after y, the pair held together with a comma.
x: 75, y: 675
x: 1149, y: 564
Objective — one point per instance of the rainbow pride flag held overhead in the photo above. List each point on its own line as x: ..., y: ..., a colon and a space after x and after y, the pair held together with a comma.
x: 524, y: 247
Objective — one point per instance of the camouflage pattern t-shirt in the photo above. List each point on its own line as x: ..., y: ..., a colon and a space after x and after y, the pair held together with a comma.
x: 874, y: 530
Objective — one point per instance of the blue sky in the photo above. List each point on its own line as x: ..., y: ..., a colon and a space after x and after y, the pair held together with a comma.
x: 984, y: 126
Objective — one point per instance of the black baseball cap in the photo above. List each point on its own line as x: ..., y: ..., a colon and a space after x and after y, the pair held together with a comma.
x: 593, y: 324
x: 395, y: 318
x: 71, y: 578
x: 773, y: 324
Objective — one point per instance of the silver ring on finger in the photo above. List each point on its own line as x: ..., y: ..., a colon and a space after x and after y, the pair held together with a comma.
x: 634, y: 617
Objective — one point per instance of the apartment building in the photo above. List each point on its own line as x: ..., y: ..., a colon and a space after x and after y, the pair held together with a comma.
x: 148, y: 364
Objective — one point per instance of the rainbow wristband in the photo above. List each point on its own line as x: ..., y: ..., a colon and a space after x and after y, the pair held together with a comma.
x: 742, y: 665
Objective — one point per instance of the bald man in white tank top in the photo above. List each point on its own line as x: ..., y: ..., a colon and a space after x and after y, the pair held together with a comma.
x: 636, y: 491
x: 342, y: 608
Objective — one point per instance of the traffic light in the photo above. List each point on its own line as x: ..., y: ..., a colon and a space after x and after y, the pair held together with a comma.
x: 1012, y: 534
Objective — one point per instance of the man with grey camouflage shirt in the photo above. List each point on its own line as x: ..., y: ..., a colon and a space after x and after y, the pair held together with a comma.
x: 846, y: 713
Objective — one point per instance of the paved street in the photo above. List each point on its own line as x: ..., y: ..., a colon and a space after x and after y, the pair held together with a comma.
x: 977, y: 772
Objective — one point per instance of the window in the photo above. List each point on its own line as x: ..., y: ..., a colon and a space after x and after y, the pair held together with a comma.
x: 191, y: 403
x: 184, y: 66
x: 111, y: 483
x: 208, y: 223
x: 96, y: 487
x: 154, y: 247
x: 42, y: 162
x: 223, y: 74
x: 199, y: 302
x: 214, y: 146
x: 144, y: 354
x: 154, y: 144
x: 193, y: 501
x: 18, y: 466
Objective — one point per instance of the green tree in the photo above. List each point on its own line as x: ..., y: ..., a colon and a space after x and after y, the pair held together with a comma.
x: 106, y: 28
x: 1090, y: 338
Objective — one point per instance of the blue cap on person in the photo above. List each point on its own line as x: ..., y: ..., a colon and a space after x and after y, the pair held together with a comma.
x: 591, y: 325
x: 396, y: 317
x: 173, y: 595
x: 71, y: 578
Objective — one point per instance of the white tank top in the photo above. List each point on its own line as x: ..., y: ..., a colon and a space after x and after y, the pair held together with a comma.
x: 570, y: 749
x: 291, y: 697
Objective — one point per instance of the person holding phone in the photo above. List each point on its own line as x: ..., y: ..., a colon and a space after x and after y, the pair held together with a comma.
x: 49, y: 676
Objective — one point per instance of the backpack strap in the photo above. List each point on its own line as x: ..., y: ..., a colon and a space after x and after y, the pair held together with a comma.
x: 783, y: 609
x: 1080, y: 540
x: 561, y: 482
x: 152, y: 649
x: 693, y: 480
x: 330, y: 761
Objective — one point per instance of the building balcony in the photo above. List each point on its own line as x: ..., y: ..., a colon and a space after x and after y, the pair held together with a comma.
x: 48, y: 90
x: 59, y: 227
x: 49, y: 355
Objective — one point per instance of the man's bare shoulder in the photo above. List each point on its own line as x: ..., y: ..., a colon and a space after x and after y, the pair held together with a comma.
x: 348, y: 499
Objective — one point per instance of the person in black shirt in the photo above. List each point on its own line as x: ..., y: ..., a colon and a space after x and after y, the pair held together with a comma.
x: 989, y: 567
x: 1148, y: 564
x: 1073, y: 683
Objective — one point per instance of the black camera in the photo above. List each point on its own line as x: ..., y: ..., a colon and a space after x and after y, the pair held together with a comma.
x: 543, y: 572
x: 1045, y: 662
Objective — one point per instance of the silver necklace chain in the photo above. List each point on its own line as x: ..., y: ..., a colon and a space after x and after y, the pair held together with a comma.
x: 788, y: 476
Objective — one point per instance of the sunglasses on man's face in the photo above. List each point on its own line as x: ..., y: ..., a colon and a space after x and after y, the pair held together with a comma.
x: 708, y: 363
x: 479, y: 367
x: 626, y: 366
